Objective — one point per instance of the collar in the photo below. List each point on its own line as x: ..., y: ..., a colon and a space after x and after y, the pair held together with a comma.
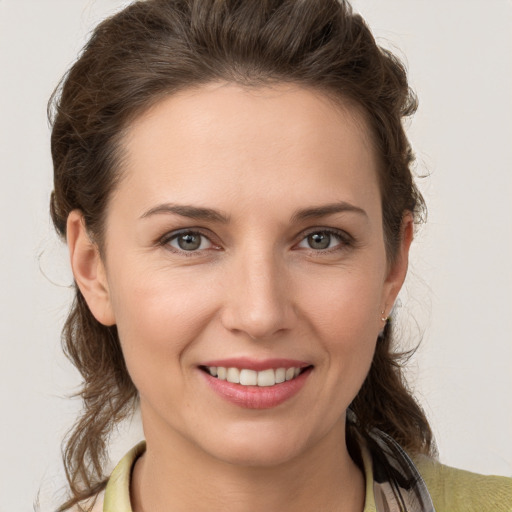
x: 393, y: 483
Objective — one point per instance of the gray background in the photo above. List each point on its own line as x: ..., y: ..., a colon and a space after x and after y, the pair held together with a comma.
x: 458, y: 294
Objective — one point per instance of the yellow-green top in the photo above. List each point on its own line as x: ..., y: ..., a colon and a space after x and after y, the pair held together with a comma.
x: 452, y: 490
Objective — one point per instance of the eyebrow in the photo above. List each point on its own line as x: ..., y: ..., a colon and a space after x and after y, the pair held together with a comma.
x: 325, y: 210
x: 201, y: 213
x: 184, y: 210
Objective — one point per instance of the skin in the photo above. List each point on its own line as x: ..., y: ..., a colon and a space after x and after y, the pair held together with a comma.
x: 255, y: 288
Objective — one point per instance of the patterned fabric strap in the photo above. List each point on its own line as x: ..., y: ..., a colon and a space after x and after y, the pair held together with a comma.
x: 398, y: 485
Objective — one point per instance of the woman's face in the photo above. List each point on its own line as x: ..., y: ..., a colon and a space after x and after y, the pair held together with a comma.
x: 246, y: 233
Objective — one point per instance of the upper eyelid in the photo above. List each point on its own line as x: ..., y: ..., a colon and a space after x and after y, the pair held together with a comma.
x: 173, y: 234
x: 334, y: 231
x: 308, y: 231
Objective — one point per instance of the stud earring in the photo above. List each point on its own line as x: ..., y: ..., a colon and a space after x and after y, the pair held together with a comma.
x: 384, y: 318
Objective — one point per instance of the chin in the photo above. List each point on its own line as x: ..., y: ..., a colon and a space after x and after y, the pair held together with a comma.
x: 258, y: 455
x: 263, y: 446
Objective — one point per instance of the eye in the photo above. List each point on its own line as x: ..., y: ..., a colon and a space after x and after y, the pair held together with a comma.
x: 189, y: 241
x: 322, y: 240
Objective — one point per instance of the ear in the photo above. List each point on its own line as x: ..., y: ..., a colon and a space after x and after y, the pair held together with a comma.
x: 88, y: 269
x: 398, y: 268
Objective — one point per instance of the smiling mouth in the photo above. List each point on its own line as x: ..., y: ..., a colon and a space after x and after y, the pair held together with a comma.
x: 246, y: 377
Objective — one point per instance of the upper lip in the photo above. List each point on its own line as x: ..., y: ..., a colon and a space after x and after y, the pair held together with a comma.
x: 256, y: 364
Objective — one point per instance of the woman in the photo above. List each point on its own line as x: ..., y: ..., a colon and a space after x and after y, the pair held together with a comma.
x: 233, y: 182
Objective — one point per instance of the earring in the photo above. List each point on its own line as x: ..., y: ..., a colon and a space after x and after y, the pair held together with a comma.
x: 384, y: 318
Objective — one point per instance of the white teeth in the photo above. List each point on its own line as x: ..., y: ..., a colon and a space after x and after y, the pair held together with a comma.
x: 266, y: 378
x: 280, y: 375
x: 233, y: 375
x: 247, y: 377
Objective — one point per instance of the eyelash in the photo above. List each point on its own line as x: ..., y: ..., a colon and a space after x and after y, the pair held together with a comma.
x: 345, y: 240
x: 166, y: 239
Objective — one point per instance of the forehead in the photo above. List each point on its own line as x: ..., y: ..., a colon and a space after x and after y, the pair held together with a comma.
x: 231, y: 140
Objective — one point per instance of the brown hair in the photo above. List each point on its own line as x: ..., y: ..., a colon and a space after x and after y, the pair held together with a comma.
x: 154, y: 48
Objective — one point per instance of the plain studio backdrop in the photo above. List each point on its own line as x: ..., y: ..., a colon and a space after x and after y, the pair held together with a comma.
x: 459, y: 291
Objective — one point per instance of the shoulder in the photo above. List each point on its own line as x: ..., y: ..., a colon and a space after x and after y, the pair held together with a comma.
x: 454, y: 490
x: 116, y: 496
x: 117, y: 492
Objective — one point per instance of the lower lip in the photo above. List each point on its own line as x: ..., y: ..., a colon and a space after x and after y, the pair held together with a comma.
x: 256, y: 397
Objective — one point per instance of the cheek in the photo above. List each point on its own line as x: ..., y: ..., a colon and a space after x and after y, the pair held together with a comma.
x: 346, y: 305
x: 340, y: 320
x: 345, y: 318
x: 158, y: 317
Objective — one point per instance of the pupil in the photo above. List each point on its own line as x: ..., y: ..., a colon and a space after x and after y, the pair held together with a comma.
x: 319, y: 240
x: 189, y: 242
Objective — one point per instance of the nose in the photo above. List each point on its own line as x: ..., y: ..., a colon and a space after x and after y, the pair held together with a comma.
x: 258, y: 296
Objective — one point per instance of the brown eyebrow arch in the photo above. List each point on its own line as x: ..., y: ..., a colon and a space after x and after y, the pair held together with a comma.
x: 327, y: 209
x: 184, y: 210
x: 201, y: 213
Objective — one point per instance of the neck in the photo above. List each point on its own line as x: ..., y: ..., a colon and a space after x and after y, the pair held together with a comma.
x: 173, y: 475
